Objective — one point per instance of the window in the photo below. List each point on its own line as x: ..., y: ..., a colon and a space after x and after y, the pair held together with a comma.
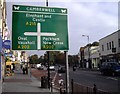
x: 107, y: 46
x: 119, y: 42
x: 102, y: 47
x: 112, y: 44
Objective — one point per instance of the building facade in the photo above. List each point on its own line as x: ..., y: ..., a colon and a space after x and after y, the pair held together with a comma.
x: 95, y: 56
x: 2, y: 29
x: 110, y: 47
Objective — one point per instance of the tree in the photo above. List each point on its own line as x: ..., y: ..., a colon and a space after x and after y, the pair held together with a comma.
x: 60, y: 59
x: 95, y: 43
x: 88, y: 44
x: 33, y: 59
x: 73, y: 60
x: 41, y: 60
x: 53, y: 57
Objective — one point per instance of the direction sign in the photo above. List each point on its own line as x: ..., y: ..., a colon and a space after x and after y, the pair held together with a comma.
x: 39, y: 28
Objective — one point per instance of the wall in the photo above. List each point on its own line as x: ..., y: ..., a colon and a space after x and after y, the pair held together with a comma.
x: 112, y: 37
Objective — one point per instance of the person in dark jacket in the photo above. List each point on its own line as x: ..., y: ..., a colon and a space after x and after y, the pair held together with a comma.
x: 74, y: 68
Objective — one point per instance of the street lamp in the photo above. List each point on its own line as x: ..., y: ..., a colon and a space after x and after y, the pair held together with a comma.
x: 88, y: 46
x: 87, y: 37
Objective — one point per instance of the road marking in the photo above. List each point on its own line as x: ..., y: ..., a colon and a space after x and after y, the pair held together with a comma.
x: 112, y: 78
x: 55, y: 77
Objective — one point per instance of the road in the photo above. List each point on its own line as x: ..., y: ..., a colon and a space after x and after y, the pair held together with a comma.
x: 88, y: 78
x: 83, y: 77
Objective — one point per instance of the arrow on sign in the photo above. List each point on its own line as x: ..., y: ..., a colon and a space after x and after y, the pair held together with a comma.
x: 42, y: 34
x: 39, y: 34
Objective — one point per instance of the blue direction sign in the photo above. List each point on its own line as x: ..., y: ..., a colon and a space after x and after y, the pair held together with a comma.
x: 6, y: 44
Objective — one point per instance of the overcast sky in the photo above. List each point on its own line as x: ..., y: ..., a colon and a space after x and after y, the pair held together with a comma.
x: 96, y: 18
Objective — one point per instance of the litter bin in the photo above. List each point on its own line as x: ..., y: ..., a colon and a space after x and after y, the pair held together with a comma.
x: 44, y: 82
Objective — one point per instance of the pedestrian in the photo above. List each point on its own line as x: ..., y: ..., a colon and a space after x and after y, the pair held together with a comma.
x: 98, y: 65
x: 23, y: 68
x: 87, y: 64
x: 26, y: 68
x: 74, y: 69
x: 92, y: 65
x: 12, y: 70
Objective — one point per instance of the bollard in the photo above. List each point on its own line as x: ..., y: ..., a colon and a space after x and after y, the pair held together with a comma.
x: 51, y: 84
x: 61, y: 87
x: 42, y: 82
x: 95, y: 89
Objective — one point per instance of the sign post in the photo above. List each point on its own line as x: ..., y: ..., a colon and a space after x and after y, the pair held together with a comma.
x: 40, y: 28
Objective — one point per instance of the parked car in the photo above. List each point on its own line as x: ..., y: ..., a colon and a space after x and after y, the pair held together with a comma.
x: 110, y: 68
x: 40, y: 67
x: 52, y: 67
x: 61, y: 69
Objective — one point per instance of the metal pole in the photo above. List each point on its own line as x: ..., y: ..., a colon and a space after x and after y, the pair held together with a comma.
x: 67, y: 73
x: 88, y: 48
x: 88, y: 45
x: 48, y: 60
x: 46, y: 2
x: 48, y: 70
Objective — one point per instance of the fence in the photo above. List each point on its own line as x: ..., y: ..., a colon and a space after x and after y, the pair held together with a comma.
x: 78, y: 88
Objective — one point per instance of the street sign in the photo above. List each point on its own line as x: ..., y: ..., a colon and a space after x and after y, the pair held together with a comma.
x: 6, y: 44
x: 39, y: 28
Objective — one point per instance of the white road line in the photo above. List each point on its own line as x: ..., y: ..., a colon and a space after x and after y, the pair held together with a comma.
x: 112, y: 78
x: 55, y: 77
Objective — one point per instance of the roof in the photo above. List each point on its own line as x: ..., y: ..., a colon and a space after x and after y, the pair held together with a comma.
x: 109, y: 35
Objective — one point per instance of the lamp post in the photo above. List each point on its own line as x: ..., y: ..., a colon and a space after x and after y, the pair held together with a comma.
x: 88, y: 45
x: 89, y: 61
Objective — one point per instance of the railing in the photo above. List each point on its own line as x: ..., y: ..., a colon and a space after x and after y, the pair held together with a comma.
x: 78, y: 88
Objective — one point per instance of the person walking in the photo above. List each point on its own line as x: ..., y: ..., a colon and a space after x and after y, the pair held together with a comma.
x: 23, y: 68
x: 26, y: 68
x: 74, y: 68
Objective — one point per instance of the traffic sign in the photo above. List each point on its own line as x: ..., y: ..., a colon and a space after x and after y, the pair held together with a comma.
x: 6, y: 44
x: 39, y: 28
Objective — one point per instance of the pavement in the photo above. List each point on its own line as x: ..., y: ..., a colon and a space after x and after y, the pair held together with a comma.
x: 53, y: 74
x: 23, y: 84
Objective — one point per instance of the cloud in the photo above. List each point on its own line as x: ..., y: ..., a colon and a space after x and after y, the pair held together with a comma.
x: 90, y: 19
x: 63, y: 1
